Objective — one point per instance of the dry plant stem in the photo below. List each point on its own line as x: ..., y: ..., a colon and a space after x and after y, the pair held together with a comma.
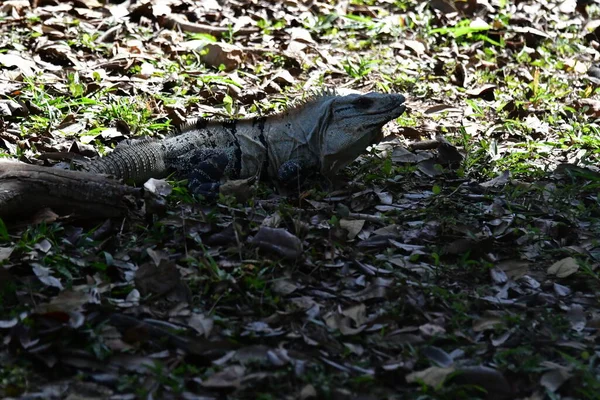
x: 186, y: 26
x: 424, y: 145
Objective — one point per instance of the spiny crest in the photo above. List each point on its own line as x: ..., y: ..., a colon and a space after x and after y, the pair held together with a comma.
x: 311, y: 96
x: 201, y: 123
x: 192, y: 124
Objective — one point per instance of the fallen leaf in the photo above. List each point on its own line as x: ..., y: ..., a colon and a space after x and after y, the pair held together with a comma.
x: 157, y: 279
x: 284, y: 287
x: 553, y: 380
x: 401, y: 155
x: 308, y: 392
x: 358, y: 314
x: 514, y: 269
x: 577, y: 317
x: 158, y: 186
x: 222, y: 54
x: 44, y: 275
x: 561, y: 290
x: 416, y: 46
x: 334, y: 320
x: 590, y: 106
x: 448, y: 154
x: 279, y: 241
x: 68, y: 301
x: 487, y: 323
x: 442, y: 108
x: 8, y: 323
x: 485, y: 91
x: 498, y: 275
x: 241, y: 189
x: 430, y: 168
x: 431, y: 330
x: 432, y: 376
x: 5, y: 253
x: 27, y: 67
x: 201, y: 324
x: 230, y: 377
x: 437, y: 355
x: 353, y: 226
x: 563, y: 268
x: 490, y: 379
x: 500, y: 180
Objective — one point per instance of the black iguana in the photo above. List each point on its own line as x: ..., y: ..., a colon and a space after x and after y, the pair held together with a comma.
x: 325, y: 132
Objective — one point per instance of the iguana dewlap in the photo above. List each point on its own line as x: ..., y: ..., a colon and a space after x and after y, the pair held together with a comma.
x: 325, y: 133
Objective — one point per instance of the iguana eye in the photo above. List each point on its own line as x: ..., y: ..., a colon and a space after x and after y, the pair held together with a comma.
x: 363, y: 102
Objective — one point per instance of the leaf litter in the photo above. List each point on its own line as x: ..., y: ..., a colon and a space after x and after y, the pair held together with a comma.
x: 458, y: 259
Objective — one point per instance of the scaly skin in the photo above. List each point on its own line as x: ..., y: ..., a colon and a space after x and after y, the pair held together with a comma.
x: 323, y: 133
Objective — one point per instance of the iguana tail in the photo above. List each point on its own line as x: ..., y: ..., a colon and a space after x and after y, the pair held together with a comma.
x: 134, y: 163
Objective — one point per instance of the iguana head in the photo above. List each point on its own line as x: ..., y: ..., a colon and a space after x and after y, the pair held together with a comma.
x: 353, y: 123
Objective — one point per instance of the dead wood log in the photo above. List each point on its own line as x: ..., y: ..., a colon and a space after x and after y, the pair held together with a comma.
x: 26, y: 189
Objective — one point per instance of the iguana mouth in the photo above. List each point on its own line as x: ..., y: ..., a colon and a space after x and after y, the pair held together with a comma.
x: 389, y: 114
x: 401, y: 107
x: 396, y: 109
x: 399, y: 110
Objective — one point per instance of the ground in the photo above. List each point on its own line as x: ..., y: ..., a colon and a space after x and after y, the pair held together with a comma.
x: 456, y: 259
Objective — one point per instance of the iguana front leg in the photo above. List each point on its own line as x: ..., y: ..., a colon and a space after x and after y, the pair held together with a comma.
x: 294, y: 171
x: 205, y: 173
x: 289, y: 170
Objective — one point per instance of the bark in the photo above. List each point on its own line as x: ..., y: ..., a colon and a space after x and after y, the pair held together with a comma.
x: 26, y: 189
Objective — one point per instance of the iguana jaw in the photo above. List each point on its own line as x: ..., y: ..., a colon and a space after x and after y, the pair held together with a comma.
x: 354, y: 124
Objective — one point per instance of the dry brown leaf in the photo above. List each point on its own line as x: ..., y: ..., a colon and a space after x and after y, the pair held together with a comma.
x: 230, y: 377
x: 590, y: 106
x: 27, y: 67
x: 357, y: 313
x: 487, y: 323
x: 341, y: 323
x: 440, y: 108
x: 224, y: 55
x: 201, y: 324
x: 432, y: 376
x: 563, y: 268
x: 279, y: 241
x: 308, y: 392
x: 241, y: 189
x: 5, y: 252
x: 553, y: 380
x: 353, y: 226
x: 45, y: 276
x: 401, y: 155
x: 69, y: 301
x: 514, y: 269
x: 485, y: 91
x: 490, y: 379
x: 157, y: 279
x: 502, y: 179
x: 284, y: 287
x: 418, y: 47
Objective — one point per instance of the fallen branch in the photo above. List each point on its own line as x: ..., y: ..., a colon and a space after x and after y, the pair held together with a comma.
x: 424, y: 145
x: 26, y: 189
x: 172, y: 21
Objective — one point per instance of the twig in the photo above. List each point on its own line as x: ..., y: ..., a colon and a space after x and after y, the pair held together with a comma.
x: 173, y: 21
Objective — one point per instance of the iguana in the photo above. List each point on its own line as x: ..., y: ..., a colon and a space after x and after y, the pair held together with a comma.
x: 324, y: 132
